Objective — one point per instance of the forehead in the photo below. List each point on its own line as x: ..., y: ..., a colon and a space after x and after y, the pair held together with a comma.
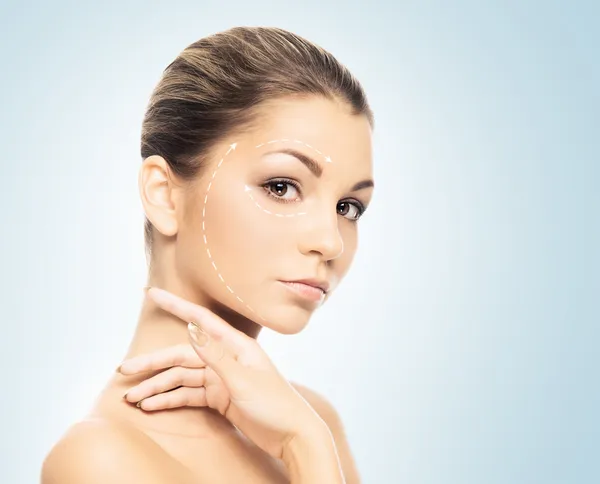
x: 326, y: 126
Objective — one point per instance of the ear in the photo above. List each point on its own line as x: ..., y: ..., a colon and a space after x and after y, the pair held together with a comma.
x: 159, y: 194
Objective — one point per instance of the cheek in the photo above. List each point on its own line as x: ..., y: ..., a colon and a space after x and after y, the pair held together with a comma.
x: 243, y: 242
x: 231, y: 238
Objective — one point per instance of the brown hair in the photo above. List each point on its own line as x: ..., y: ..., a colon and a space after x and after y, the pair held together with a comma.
x: 215, y: 85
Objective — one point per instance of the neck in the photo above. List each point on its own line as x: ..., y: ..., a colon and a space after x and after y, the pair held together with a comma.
x: 158, y: 329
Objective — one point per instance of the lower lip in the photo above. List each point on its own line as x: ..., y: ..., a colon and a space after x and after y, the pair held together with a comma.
x: 304, y: 290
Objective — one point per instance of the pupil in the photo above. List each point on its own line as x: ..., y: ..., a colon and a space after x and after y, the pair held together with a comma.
x: 343, y: 208
x: 281, y: 188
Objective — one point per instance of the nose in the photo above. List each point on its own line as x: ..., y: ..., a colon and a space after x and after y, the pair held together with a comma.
x: 321, y: 235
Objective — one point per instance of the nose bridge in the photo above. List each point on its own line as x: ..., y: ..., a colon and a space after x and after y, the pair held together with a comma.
x: 322, y: 233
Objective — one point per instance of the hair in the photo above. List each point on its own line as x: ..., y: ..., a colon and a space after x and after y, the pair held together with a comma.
x: 215, y: 86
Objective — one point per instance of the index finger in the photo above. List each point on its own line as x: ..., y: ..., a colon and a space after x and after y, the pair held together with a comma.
x: 208, y: 321
x: 179, y: 355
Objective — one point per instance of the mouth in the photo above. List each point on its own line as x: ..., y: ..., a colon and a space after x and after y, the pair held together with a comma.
x: 311, y: 289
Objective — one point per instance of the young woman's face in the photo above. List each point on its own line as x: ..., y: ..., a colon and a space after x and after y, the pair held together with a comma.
x: 277, y: 205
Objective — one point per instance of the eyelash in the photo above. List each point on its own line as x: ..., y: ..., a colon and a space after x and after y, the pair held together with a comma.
x: 358, y: 205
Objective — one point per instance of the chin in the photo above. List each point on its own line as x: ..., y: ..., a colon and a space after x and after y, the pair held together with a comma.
x: 285, y: 319
x: 281, y: 318
x: 271, y: 307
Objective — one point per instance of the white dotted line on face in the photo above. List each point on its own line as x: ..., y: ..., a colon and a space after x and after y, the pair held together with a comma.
x: 210, y: 257
x: 248, y: 191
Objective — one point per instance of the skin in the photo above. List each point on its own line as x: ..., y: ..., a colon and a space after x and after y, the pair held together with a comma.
x: 230, y: 403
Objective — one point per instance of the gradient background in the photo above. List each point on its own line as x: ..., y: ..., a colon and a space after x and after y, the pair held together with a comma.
x: 462, y: 348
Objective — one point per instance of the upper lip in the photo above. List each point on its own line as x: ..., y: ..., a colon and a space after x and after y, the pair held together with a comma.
x: 318, y: 283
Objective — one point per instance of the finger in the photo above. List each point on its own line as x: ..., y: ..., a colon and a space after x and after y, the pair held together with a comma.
x: 235, y: 376
x: 217, y: 357
x: 179, y: 355
x: 166, y: 381
x: 213, y: 325
x: 181, y: 397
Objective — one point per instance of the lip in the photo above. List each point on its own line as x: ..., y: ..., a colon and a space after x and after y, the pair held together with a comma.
x: 311, y: 289
x: 318, y: 283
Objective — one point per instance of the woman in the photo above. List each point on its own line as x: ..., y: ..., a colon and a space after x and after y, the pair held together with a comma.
x: 257, y: 166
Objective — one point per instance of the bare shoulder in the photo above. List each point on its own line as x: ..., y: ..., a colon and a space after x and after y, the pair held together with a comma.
x: 331, y: 417
x: 100, y: 451
x: 321, y: 405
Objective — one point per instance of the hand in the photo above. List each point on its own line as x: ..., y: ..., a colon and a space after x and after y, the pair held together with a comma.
x: 180, y: 384
x: 239, y: 380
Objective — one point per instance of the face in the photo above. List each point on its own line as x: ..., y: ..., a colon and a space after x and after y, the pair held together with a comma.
x: 270, y: 227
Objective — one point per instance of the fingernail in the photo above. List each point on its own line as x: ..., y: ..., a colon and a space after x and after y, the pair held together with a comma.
x: 118, y: 370
x: 146, y: 288
x: 139, y: 404
x: 199, y: 336
x: 125, y: 396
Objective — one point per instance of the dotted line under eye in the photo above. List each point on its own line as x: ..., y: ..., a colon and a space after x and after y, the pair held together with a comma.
x: 249, y: 192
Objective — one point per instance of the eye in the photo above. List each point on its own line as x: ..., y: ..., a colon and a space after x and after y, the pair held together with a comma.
x: 282, y: 190
x: 350, y: 210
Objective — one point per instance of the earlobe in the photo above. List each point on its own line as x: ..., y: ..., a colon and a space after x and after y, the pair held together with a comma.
x: 157, y: 193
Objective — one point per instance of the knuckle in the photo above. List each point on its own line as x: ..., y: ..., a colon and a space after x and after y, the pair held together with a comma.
x: 186, y: 399
x: 179, y: 375
x: 180, y: 355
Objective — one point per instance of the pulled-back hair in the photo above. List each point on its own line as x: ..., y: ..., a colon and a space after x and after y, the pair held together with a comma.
x: 214, y: 87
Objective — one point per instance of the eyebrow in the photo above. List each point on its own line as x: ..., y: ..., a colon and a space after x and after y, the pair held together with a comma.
x: 313, y: 165
x: 316, y: 168
x: 362, y: 185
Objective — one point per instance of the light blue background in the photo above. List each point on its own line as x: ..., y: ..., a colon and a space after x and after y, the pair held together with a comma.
x: 462, y: 348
